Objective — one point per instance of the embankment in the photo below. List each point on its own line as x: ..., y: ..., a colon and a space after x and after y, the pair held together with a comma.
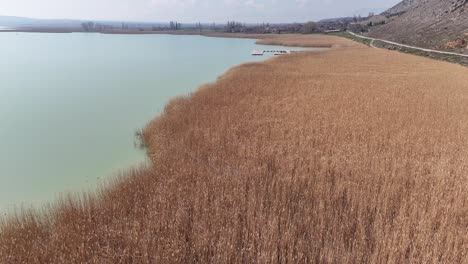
x: 350, y: 155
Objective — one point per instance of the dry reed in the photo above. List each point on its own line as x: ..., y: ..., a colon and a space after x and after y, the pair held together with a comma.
x: 354, y: 155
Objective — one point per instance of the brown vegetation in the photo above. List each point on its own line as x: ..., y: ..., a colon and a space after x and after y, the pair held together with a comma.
x: 354, y: 155
x: 459, y: 43
x: 292, y: 40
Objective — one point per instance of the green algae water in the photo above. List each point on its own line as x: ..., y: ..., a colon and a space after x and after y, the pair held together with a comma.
x: 70, y: 104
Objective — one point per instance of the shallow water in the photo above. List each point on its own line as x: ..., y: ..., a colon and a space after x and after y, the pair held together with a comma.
x: 70, y: 104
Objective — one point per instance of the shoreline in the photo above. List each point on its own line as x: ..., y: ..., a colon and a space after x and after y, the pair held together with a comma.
x: 269, y: 156
x: 238, y: 55
x: 262, y: 39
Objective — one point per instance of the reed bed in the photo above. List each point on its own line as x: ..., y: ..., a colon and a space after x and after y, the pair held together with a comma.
x: 292, y: 40
x: 353, y: 155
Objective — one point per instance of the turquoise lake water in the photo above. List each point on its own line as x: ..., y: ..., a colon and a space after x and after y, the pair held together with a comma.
x: 70, y: 104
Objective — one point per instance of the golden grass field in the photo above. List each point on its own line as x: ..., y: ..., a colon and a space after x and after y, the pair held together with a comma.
x: 293, y: 40
x: 352, y: 155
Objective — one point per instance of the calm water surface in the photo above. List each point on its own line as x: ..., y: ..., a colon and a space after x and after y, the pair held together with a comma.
x: 70, y: 104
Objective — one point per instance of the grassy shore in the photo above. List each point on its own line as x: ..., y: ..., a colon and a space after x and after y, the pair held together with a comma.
x: 353, y: 155
x: 345, y: 34
x: 436, y: 56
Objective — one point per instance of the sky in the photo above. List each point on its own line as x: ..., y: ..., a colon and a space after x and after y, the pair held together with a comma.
x: 206, y: 11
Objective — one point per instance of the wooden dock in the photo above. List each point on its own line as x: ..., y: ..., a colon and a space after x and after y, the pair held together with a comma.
x: 258, y: 53
x: 275, y: 52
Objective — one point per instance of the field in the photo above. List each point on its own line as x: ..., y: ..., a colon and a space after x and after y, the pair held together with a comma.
x: 352, y: 155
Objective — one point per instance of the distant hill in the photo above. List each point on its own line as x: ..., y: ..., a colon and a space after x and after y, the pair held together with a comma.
x: 364, y: 12
x: 63, y: 25
x: 401, y: 7
x: 23, y: 22
x: 426, y: 23
x: 337, y: 19
x: 11, y: 21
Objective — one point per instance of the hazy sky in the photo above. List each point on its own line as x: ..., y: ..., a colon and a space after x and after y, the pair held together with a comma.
x: 191, y: 10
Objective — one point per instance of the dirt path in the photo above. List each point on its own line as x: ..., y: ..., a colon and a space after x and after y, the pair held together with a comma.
x: 408, y: 46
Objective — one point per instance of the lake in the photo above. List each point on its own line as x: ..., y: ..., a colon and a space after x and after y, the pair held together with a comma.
x: 70, y: 104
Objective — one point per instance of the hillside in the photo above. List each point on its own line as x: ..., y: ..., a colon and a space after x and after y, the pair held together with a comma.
x: 401, y: 8
x: 426, y: 23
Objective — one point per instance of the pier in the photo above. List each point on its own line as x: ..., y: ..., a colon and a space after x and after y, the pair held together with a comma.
x: 276, y: 52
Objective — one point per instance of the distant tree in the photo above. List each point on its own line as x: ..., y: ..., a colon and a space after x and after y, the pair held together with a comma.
x: 234, y: 27
x: 98, y: 27
x: 310, y: 27
x: 174, y: 25
x: 88, y: 26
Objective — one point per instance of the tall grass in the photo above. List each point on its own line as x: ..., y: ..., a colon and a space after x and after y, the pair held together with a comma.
x: 294, y: 40
x: 354, y: 155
